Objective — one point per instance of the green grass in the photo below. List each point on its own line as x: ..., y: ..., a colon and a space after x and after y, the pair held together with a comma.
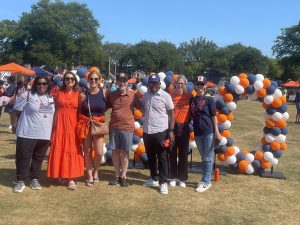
x: 236, y: 199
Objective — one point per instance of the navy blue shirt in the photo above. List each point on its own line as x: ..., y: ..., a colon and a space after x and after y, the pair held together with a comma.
x: 97, y: 104
x: 203, y: 108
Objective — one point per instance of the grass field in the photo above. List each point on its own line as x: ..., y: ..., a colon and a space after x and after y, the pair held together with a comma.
x: 236, y: 199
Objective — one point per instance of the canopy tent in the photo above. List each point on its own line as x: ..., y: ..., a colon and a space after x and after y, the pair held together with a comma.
x: 16, y: 69
x: 40, y: 71
x: 291, y: 84
x: 132, y: 80
x: 210, y: 84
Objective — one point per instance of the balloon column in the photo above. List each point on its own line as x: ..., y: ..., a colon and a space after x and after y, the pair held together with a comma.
x: 274, y: 133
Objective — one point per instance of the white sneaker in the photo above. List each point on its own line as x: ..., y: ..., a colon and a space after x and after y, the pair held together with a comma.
x: 164, y: 189
x: 203, y: 187
x: 173, y: 182
x: 151, y: 183
x: 181, y: 184
x: 10, y: 126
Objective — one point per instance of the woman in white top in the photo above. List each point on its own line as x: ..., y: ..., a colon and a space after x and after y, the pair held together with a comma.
x: 33, y: 130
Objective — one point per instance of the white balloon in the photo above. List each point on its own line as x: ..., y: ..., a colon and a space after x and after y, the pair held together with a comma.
x: 231, y: 159
x: 231, y: 105
x: 137, y: 125
x: 223, y: 141
x: 239, y: 89
x: 274, y: 161
x: 277, y: 116
x: 139, y: 85
x: 277, y: 93
x: 77, y: 78
x: 192, y: 145
x: 285, y: 116
x: 143, y: 90
x: 249, y: 169
x: 141, y: 141
x: 234, y: 80
x: 258, y: 85
x: 134, y: 147
x: 268, y: 99
x: 260, y: 77
x: 280, y: 138
x: 236, y: 150
x: 268, y: 156
x: 103, y: 159
x: 162, y: 85
x: 74, y: 71
x: 161, y: 75
x: 227, y: 124
x: 250, y: 157
x: 104, y: 149
x: 269, y: 138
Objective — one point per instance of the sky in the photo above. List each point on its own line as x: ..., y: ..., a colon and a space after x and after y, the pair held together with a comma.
x: 255, y: 23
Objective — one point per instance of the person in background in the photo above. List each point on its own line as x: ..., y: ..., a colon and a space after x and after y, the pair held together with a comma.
x: 158, y: 127
x: 297, y: 101
x: 181, y: 100
x: 203, y: 112
x: 10, y: 92
x: 94, y: 107
x: 65, y: 158
x: 121, y: 126
x: 2, y: 93
x: 33, y: 131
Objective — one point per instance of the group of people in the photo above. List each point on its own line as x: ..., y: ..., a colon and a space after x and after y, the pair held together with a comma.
x: 62, y: 119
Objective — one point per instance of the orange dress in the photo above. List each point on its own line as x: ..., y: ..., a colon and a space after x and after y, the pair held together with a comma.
x: 65, y: 158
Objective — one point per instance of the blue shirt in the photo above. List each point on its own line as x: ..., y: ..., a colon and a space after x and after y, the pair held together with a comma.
x: 203, y: 108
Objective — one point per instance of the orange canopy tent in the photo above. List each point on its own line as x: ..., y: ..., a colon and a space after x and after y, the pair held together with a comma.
x: 16, y: 69
x: 132, y: 80
x: 291, y: 84
x: 210, y: 84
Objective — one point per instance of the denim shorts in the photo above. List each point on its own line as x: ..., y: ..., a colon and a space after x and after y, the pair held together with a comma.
x: 121, y: 140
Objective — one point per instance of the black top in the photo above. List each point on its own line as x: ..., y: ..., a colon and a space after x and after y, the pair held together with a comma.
x: 97, y: 104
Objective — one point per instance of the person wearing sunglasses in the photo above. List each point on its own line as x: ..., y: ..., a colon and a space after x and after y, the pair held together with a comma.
x: 93, y: 107
x: 35, y: 110
x: 65, y: 159
x: 203, y: 112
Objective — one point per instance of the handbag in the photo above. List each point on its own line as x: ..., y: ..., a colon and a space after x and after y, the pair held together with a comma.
x: 97, y: 128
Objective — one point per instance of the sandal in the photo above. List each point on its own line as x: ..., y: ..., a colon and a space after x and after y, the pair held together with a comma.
x: 96, y: 180
x: 71, y: 185
x: 89, y: 183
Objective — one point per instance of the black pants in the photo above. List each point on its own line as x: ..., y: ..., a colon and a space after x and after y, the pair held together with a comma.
x: 180, y: 149
x: 157, y: 153
x: 30, y: 154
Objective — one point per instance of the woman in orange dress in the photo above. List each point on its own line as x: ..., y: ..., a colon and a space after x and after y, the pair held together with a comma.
x: 66, y: 159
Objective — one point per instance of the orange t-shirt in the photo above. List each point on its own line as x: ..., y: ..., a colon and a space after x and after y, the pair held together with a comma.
x: 181, y: 107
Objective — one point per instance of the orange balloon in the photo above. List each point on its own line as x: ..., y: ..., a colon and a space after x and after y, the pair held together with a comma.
x: 221, y: 156
x: 261, y: 93
x: 175, y: 77
x: 244, y: 82
x: 229, y: 151
x: 139, y: 132
x: 94, y: 68
x: 194, y: 93
x: 280, y: 124
x: 259, y: 155
x: 226, y: 133
x: 267, y: 83
x: 221, y: 118
x: 86, y: 75
x: 137, y: 114
x: 171, y: 89
x: 243, y: 164
x: 245, y: 152
x: 222, y: 90
x: 276, y: 102
x: 230, y: 117
x: 283, y: 146
x: 283, y: 98
x: 228, y: 97
x: 265, y: 164
x: 139, y: 94
x: 275, y: 145
x: 192, y: 135
x: 140, y: 149
x: 270, y: 123
x: 243, y: 76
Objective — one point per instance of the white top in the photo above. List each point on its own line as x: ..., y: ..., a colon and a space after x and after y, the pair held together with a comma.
x: 36, y: 119
x: 156, y: 108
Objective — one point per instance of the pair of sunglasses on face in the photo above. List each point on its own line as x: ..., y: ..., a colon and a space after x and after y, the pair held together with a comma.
x: 70, y: 78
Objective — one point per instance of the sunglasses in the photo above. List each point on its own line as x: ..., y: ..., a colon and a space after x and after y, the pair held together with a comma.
x: 69, y: 78
x: 41, y: 84
x: 92, y: 78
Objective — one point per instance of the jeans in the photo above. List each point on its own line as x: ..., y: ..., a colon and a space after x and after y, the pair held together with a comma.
x: 205, y: 145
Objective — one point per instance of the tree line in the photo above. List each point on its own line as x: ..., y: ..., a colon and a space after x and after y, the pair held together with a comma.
x: 58, y: 34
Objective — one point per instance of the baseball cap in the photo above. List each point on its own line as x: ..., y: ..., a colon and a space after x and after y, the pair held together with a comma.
x: 122, y: 76
x: 200, y: 79
x: 154, y: 78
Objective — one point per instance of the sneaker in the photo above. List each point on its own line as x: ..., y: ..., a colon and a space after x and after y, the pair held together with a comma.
x: 203, y: 187
x: 10, y: 126
x: 116, y: 181
x: 181, y: 184
x: 173, y: 182
x: 19, y: 187
x: 71, y: 185
x: 124, y: 182
x: 151, y: 183
x: 35, y: 185
x: 164, y: 189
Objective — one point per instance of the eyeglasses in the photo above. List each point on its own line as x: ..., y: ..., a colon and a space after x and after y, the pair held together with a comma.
x: 41, y: 83
x: 69, y: 78
x: 92, y: 78
x: 181, y: 84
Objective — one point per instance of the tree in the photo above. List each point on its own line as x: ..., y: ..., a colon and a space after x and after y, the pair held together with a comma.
x: 55, y: 34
